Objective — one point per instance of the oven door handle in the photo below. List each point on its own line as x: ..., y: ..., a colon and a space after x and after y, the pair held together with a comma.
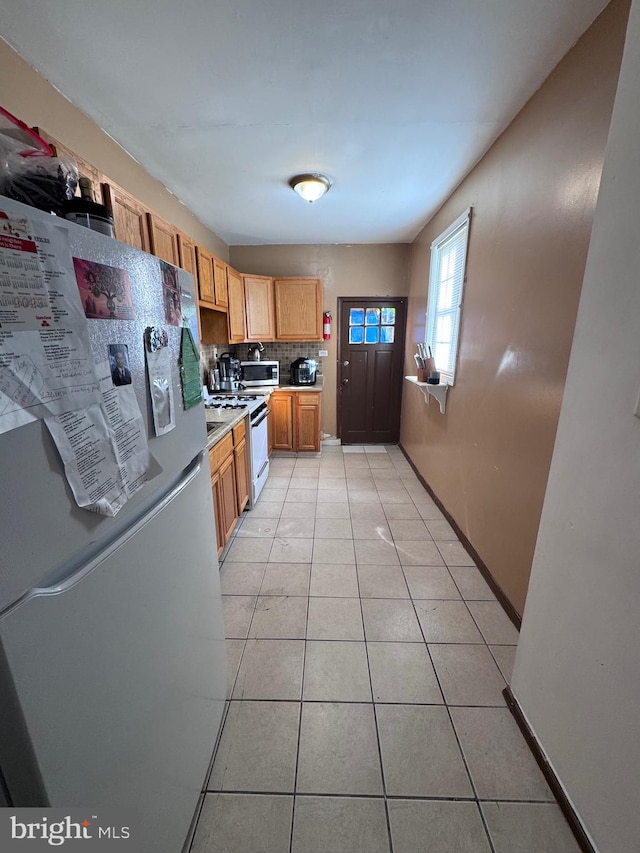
x: 260, y: 419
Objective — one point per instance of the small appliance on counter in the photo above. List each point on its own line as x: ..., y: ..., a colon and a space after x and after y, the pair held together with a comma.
x: 229, y: 367
x: 260, y: 373
x: 254, y: 352
x: 303, y: 371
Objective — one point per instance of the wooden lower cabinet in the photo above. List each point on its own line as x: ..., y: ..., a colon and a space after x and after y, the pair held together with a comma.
x: 296, y: 420
x: 242, y: 466
x: 229, y: 481
x: 282, y: 414
x: 270, y: 428
x: 217, y: 510
x: 307, y: 421
x: 229, y: 494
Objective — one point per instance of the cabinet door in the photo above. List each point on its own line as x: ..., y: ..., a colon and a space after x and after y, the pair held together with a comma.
x: 220, y: 282
x: 242, y: 475
x: 307, y: 421
x: 205, y: 276
x: 187, y: 255
x: 235, y: 317
x: 258, y: 301
x: 163, y: 239
x: 298, y: 309
x: 282, y: 414
x: 129, y: 217
x: 229, y: 495
x: 216, y: 490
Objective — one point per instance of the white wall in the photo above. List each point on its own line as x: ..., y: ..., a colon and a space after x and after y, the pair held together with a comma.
x: 577, y: 670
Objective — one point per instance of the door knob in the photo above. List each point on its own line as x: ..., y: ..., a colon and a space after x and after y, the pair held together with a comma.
x: 345, y: 364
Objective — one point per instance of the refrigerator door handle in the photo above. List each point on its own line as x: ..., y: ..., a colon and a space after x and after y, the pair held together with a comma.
x: 77, y: 573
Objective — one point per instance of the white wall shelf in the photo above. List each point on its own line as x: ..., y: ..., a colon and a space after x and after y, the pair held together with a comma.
x: 437, y: 391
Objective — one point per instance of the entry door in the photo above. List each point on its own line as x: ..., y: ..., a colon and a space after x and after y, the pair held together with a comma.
x: 371, y: 358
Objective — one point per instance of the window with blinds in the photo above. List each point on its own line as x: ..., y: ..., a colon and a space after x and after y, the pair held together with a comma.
x: 446, y: 284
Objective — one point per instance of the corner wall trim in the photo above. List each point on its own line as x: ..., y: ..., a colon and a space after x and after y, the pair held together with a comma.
x: 508, y: 607
x: 549, y: 774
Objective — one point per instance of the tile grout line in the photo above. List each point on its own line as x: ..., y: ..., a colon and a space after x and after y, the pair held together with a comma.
x: 304, y: 664
x: 455, y: 734
x: 375, y: 719
x: 392, y: 797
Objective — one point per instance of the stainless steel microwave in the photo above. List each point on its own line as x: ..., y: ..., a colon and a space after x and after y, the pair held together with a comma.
x: 260, y: 373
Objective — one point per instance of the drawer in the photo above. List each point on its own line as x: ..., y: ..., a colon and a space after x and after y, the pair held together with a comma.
x: 307, y: 398
x: 239, y: 433
x: 219, y: 452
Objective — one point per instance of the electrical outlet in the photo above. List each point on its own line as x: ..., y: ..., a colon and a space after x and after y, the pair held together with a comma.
x: 323, y: 353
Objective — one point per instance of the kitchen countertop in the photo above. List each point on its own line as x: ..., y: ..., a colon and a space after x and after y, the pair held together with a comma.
x: 227, y: 418
x: 263, y: 390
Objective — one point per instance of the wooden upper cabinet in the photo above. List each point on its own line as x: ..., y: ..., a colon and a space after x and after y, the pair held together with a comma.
x: 206, y: 292
x: 129, y: 217
x: 187, y: 254
x: 298, y: 309
x: 163, y: 238
x: 235, y: 317
x: 220, y: 282
x: 258, y: 302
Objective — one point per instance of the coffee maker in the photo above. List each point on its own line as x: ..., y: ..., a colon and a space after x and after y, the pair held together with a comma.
x: 229, y: 367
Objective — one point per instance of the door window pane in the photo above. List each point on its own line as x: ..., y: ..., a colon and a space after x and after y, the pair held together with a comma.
x: 356, y: 317
x: 371, y: 334
x: 388, y: 316
x: 373, y: 316
x: 387, y: 334
x: 356, y: 334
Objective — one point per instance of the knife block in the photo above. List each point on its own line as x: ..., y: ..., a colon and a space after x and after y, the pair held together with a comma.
x: 429, y: 366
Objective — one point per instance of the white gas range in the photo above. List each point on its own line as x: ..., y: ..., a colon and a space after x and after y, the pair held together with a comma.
x: 257, y: 437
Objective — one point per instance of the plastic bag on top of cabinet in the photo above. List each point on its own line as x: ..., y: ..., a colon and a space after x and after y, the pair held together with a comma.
x: 28, y: 170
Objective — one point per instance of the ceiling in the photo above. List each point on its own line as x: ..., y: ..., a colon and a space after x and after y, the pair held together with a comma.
x: 225, y: 101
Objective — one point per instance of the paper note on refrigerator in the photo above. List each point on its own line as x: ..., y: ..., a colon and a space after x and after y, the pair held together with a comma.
x: 46, y: 366
x: 104, y: 448
x: 159, y: 377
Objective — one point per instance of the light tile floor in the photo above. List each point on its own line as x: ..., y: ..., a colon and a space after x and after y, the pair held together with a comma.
x: 367, y: 658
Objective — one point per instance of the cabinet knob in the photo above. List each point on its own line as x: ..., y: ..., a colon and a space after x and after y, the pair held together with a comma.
x: 345, y: 381
x: 345, y: 364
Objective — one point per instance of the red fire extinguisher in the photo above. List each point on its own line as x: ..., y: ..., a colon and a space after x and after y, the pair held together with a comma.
x: 326, y: 325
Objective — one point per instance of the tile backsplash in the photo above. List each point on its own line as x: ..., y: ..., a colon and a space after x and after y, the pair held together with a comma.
x: 283, y: 351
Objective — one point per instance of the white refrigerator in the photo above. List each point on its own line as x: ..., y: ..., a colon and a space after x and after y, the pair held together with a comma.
x: 112, y: 658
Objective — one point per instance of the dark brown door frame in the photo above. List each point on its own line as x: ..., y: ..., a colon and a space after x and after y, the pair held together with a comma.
x: 372, y: 300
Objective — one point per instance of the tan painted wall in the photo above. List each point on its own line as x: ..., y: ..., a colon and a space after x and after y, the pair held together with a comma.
x: 31, y: 98
x: 533, y: 198
x: 576, y: 668
x: 359, y: 270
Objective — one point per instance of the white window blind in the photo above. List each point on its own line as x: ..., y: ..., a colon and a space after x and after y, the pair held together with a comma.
x: 446, y: 285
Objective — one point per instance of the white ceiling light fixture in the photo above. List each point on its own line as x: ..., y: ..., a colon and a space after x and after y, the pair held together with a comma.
x: 310, y: 187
